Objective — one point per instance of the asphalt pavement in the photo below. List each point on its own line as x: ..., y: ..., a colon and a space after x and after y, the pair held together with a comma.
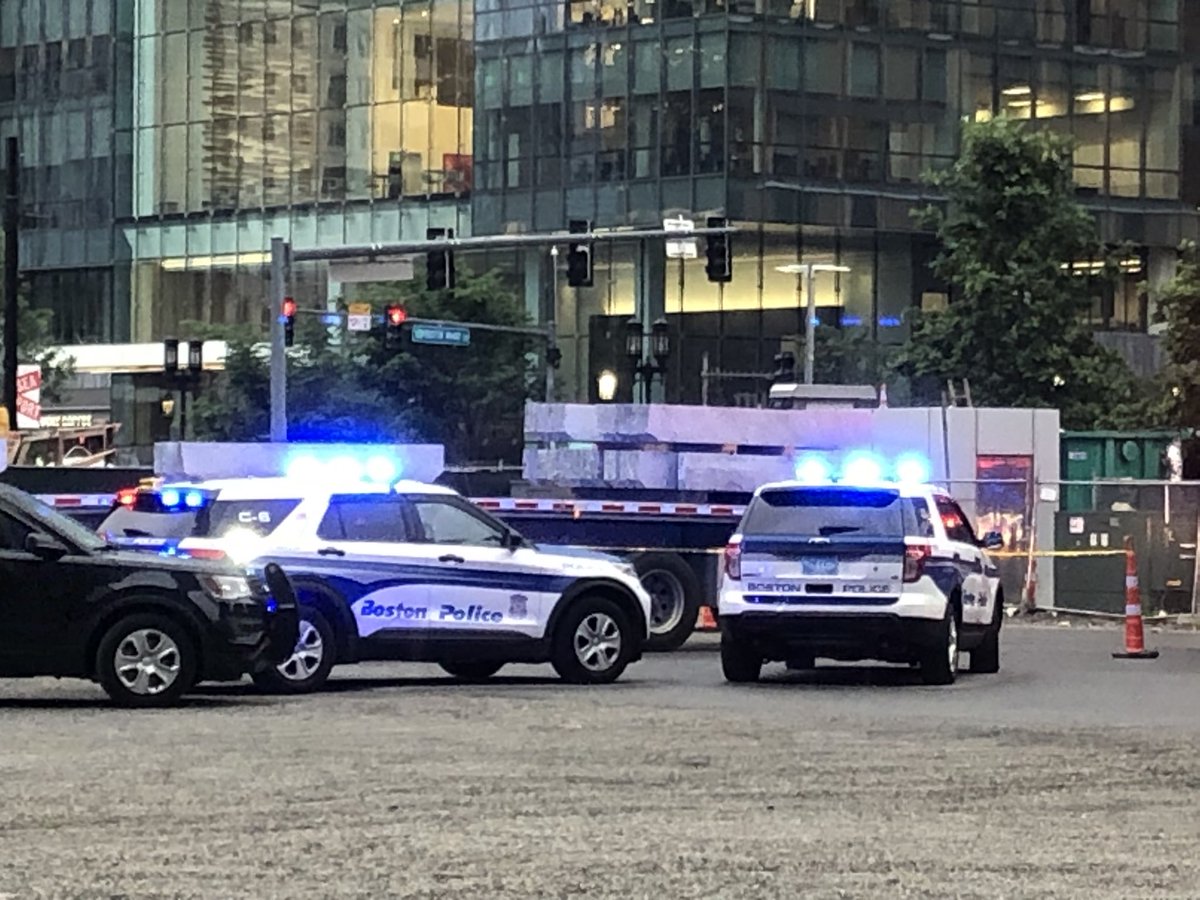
x: 1069, y: 774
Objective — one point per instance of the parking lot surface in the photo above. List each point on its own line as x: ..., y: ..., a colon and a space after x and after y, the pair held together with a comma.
x: 1070, y: 774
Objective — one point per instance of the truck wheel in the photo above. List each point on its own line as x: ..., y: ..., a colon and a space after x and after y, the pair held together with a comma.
x: 312, y: 659
x: 985, y: 659
x: 147, y: 660
x: 740, y: 661
x: 674, y: 593
x: 593, y: 642
x: 471, y: 671
x: 939, y: 662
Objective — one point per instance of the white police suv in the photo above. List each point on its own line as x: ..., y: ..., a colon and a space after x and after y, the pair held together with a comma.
x: 412, y: 571
x: 860, y: 570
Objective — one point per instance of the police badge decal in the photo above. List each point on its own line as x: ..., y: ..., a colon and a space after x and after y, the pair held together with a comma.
x: 518, y: 606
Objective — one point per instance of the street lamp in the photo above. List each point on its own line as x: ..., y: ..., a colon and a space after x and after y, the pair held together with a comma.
x: 810, y: 271
x: 606, y: 385
x: 660, y: 349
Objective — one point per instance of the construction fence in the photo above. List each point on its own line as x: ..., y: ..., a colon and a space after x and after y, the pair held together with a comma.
x: 1064, y: 540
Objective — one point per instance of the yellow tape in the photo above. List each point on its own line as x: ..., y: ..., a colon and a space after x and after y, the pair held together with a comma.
x: 1068, y: 554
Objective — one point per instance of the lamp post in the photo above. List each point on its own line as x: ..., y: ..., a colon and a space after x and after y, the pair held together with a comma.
x: 810, y: 270
x: 660, y: 350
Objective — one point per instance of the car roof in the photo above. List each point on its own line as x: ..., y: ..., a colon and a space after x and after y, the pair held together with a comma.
x: 904, y: 489
x: 290, y: 489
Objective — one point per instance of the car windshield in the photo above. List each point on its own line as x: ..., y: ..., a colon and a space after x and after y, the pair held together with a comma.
x: 81, y: 536
x: 827, y: 512
x: 261, y: 517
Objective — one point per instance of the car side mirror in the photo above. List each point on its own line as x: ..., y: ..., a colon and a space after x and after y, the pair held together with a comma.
x: 45, y: 547
x: 511, y: 540
x: 993, y: 540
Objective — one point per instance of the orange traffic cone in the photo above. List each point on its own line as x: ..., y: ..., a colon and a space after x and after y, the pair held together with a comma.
x: 1135, y: 638
x: 706, y: 621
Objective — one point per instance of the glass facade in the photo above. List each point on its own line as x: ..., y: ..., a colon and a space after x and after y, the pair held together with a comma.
x: 166, y: 141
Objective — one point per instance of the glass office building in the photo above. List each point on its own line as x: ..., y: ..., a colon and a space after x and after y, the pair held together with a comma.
x: 166, y: 142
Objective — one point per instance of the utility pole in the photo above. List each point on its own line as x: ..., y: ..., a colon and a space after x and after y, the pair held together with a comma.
x: 12, y: 267
x: 278, y: 293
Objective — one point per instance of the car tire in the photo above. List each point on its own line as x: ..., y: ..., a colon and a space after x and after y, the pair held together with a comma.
x: 985, y: 659
x: 675, y: 592
x: 471, y: 671
x: 593, y: 642
x: 741, y: 662
x: 312, y: 659
x: 939, y: 662
x: 147, y: 660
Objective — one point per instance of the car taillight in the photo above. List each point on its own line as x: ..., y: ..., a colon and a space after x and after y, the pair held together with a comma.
x: 205, y: 553
x: 914, y: 561
x: 127, y: 497
x: 733, y: 560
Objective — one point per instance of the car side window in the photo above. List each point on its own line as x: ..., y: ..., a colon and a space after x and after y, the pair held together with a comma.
x: 957, y: 526
x: 446, y: 522
x: 367, y: 519
x: 13, y: 533
x: 918, y: 522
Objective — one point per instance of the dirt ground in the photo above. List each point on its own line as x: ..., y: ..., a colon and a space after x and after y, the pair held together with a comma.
x: 399, y: 783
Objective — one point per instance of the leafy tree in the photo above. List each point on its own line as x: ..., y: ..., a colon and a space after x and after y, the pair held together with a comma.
x: 35, y: 337
x: 1010, y: 230
x: 1179, y: 308
x: 353, y: 387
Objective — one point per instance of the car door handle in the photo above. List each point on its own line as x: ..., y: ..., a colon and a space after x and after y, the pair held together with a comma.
x: 451, y: 558
x: 331, y: 551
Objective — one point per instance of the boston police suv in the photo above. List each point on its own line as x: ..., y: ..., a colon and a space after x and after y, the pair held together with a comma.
x: 858, y: 569
x: 388, y: 570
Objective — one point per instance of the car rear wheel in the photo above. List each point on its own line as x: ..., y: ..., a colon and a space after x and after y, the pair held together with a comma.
x: 740, y: 661
x: 593, y: 642
x: 939, y: 664
x: 985, y: 659
x: 674, y: 593
x: 472, y: 671
x: 312, y: 659
x: 146, y: 660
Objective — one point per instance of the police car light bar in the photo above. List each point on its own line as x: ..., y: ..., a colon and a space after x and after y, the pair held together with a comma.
x: 862, y: 467
x: 378, y: 468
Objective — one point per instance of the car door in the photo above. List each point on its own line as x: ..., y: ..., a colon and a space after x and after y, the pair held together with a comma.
x: 39, y: 599
x: 483, y: 584
x: 964, y: 547
x: 363, y: 546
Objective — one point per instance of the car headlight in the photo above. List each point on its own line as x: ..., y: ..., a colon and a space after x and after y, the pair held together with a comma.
x: 226, y: 587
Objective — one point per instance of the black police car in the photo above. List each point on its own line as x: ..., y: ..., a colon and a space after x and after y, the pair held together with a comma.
x: 146, y: 627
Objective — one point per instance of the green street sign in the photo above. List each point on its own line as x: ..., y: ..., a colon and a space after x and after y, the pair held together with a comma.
x: 446, y: 335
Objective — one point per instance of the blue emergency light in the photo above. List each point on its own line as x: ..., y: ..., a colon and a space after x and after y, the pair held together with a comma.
x: 377, y: 468
x: 861, y: 467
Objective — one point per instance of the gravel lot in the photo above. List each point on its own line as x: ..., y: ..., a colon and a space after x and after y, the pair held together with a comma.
x: 1068, y: 775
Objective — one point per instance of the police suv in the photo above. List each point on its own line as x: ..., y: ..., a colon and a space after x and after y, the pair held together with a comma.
x: 892, y: 572
x: 412, y: 571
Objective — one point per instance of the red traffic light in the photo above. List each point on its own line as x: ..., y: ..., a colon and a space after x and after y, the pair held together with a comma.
x: 396, y: 316
x: 289, y: 308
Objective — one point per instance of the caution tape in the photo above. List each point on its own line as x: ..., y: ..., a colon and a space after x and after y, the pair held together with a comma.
x: 1066, y: 554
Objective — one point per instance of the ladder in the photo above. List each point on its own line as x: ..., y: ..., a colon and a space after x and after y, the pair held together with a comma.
x: 953, y: 396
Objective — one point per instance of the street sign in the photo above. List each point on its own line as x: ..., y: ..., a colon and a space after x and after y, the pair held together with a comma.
x: 445, y: 334
x: 359, y: 272
x: 29, y: 396
x: 359, y: 317
x: 680, y: 249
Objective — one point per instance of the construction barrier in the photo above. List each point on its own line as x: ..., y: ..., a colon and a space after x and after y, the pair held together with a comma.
x: 1135, y: 636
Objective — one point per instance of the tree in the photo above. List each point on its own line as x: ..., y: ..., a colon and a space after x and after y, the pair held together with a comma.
x: 1179, y: 308
x: 1012, y: 233
x: 35, y: 336
x: 353, y: 387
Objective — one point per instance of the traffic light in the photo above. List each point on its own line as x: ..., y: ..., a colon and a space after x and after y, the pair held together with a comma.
x: 393, y: 322
x: 718, y: 264
x: 579, y: 256
x: 439, y: 264
x: 288, y: 314
x: 195, y: 362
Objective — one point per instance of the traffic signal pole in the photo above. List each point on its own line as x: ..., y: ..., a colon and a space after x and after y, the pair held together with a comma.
x: 278, y: 293
x: 12, y: 225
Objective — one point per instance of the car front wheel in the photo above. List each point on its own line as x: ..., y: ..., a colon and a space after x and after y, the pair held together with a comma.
x: 312, y: 659
x: 593, y: 643
x: 146, y: 660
